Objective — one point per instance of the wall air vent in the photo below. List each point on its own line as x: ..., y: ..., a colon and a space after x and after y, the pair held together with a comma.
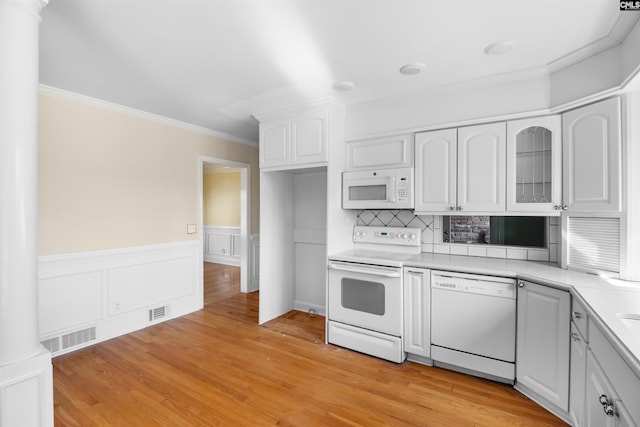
x: 52, y: 344
x: 158, y: 313
x: 72, y: 339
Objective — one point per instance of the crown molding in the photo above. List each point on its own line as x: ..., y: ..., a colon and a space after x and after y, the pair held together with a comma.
x: 117, y: 108
x: 619, y: 32
x: 34, y: 7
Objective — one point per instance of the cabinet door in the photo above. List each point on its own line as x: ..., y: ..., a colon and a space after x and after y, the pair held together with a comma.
x: 389, y: 152
x: 542, y: 355
x: 309, y: 137
x: 435, y: 171
x: 577, y: 377
x: 534, y: 165
x: 417, y: 313
x: 596, y: 387
x: 274, y: 143
x: 482, y: 168
x: 591, y: 157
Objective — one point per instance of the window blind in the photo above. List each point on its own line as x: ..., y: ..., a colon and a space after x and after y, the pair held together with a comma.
x: 594, y: 244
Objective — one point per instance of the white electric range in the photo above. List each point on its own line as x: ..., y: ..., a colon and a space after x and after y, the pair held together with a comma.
x: 365, y: 291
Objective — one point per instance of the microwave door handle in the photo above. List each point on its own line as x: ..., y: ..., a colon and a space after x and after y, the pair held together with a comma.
x: 376, y: 271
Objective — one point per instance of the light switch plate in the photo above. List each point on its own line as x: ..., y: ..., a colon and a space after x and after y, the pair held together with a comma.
x: 191, y: 229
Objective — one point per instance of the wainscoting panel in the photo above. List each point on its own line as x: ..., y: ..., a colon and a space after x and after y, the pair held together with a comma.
x: 222, y: 245
x: 85, y: 298
x: 254, y: 266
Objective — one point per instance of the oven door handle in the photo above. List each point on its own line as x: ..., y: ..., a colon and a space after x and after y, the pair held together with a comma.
x: 365, y: 269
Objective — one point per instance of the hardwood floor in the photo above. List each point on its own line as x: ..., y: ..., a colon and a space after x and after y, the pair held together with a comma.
x: 218, y: 367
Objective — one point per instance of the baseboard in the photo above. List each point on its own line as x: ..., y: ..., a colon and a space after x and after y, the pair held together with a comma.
x: 308, y: 307
x: 89, y: 297
x: 221, y: 259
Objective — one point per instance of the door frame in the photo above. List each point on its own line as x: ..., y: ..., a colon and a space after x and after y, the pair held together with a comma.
x: 245, y: 214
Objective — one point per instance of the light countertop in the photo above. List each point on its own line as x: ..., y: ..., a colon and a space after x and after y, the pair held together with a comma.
x: 603, y: 298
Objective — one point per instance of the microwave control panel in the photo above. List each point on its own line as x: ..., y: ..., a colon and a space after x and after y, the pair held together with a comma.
x: 402, y: 191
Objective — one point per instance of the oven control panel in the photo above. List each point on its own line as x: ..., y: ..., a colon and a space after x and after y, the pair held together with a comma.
x: 387, y: 235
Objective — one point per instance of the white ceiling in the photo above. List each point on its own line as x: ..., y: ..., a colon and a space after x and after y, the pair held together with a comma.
x: 214, y: 63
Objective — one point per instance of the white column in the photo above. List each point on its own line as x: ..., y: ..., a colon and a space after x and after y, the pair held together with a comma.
x: 26, y: 393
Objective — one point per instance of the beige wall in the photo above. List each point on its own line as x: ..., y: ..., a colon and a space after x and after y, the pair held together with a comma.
x: 221, y: 193
x: 109, y: 179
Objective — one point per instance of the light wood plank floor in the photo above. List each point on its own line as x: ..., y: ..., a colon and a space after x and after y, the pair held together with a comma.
x: 218, y: 367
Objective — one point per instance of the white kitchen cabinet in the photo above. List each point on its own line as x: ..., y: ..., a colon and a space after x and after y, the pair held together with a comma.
x: 389, y: 152
x: 275, y: 143
x: 603, y: 406
x: 469, y: 162
x: 482, y: 168
x: 534, y: 165
x: 542, y: 350
x: 436, y: 171
x: 577, y: 377
x: 591, y: 157
x: 294, y: 139
x: 417, y: 312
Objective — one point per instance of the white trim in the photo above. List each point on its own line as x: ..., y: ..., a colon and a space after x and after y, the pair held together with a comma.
x: 619, y: 32
x: 245, y: 214
x: 122, y: 109
x: 113, y: 290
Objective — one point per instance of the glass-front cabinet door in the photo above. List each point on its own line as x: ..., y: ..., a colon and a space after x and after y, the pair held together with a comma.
x: 534, y: 165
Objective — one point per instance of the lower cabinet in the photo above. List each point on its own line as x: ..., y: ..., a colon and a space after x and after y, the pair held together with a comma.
x: 577, y: 376
x: 612, y: 390
x: 417, y: 313
x: 542, y: 345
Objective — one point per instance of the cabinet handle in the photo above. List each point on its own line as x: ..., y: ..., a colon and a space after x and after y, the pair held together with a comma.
x: 607, y: 406
x: 222, y: 251
x: 565, y: 208
x: 521, y: 284
x: 576, y: 315
x: 575, y: 336
x: 452, y: 208
x: 458, y: 208
x: 557, y: 207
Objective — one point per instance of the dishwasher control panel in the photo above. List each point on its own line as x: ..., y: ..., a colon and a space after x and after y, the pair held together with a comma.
x: 475, y: 284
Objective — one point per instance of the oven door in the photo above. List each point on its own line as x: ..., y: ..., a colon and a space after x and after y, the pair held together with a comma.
x: 366, y: 296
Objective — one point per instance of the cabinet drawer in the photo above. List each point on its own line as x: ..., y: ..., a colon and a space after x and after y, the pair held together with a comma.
x: 625, y: 382
x: 579, y: 317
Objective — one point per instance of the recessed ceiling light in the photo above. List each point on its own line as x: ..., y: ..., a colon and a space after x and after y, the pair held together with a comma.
x: 411, y: 69
x: 344, y: 85
x: 499, y: 48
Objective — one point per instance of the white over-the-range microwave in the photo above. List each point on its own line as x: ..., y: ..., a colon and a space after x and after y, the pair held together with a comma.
x: 378, y: 189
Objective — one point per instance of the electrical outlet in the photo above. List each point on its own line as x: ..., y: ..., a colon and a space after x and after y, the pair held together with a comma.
x: 191, y: 229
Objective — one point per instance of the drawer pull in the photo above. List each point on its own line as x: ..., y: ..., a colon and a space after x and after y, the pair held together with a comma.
x: 575, y: 336
x: 576, y: 314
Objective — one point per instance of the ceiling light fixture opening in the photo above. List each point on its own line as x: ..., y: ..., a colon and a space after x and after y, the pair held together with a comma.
x: 344, y: 85
x: 499, y: 48
x: 411, y: 69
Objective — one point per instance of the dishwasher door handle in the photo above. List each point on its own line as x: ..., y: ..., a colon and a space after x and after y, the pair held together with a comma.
x: 366, y: 269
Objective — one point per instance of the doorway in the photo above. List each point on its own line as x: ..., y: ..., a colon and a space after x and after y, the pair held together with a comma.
x: 245, y: 215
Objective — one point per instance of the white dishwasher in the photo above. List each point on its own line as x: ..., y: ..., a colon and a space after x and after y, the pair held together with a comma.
x: 473, y: 324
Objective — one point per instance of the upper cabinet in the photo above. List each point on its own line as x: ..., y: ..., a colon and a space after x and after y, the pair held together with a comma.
x: 534, y: 165
x: 295, y: 139
x: 436, y: 171
x: 481, y: 168
x: 389, y: 152
x: 461, y: 170
x: 591, y: 157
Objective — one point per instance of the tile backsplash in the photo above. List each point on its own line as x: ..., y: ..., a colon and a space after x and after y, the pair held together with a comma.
x: 431, y: 226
